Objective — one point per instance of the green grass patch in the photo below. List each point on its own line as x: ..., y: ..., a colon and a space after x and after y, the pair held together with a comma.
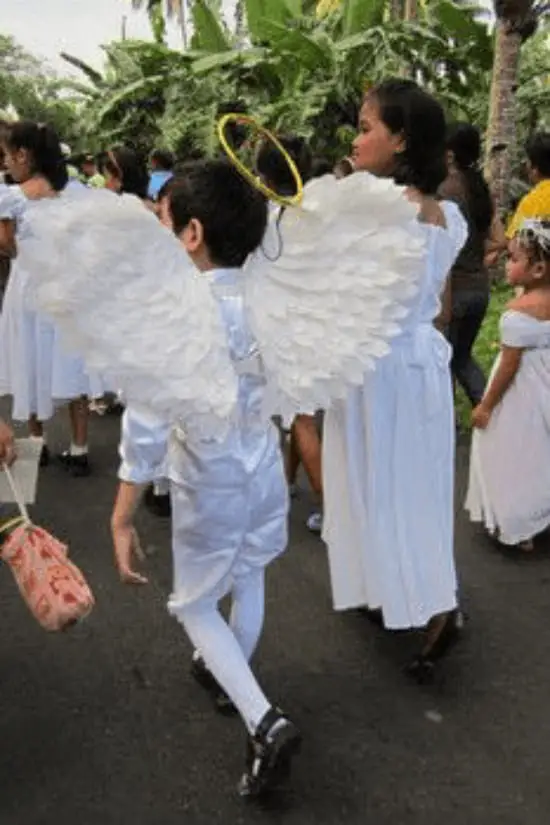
x: 486, y: 346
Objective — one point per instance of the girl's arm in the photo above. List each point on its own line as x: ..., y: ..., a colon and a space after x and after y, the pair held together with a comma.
x: 510, y: 360
x: 496, y: 243
x: 442, y: 321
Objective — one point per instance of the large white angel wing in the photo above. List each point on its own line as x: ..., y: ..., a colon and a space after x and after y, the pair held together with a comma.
x: 351, y: 260
x: 126, y: 297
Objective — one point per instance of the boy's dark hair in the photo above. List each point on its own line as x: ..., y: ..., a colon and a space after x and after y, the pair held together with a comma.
x: 233, y: 213
x: 320, y: 167
x: 163, y: 159
x: 165, y: 189
x: 538, y: 152
x: 44, y: 148
x: 274, y: 169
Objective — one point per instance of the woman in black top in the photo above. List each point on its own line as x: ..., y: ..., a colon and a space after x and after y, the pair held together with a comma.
x: 469, y: 277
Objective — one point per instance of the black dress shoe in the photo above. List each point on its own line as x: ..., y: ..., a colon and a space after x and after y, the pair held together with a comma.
x: 206, y: 680
x: 269, y: 754
x: 76, y: 465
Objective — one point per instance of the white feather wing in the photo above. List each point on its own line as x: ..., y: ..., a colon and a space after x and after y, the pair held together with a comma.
x: 126, y: 297
x: 352, y: 258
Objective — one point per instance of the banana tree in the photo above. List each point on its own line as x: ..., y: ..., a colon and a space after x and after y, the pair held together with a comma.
x: 516, y: 22
x: 158, y: 10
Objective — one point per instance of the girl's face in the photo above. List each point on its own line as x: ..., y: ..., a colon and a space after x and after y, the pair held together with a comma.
x: 18, y: 164
x: 375, y: 147
x: 112, y: 181
x: 520, y: 271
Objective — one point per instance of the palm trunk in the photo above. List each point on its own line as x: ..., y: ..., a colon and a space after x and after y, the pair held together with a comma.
x: 411, y: 9
x: 397, y: 9
x: 239, y: 23
x: 502, y: 127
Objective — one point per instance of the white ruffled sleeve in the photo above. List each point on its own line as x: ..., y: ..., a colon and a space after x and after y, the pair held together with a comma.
x: 351, y: 260
x: 12, y: 203
x: 143, y: 446
x: 523, y: 331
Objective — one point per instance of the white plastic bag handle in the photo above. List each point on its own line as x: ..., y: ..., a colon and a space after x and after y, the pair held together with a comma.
x: 17, y: 496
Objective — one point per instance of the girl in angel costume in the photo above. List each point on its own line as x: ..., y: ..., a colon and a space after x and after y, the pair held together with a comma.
x: 206, y: 350
x: 35, y: 369
x: 509, y: 487
x: 388, y: 456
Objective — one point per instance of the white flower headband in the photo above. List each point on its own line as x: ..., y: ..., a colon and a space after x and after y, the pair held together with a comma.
x: 536, y: 232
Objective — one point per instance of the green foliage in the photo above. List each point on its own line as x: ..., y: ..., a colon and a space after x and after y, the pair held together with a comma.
x: 30, y: 91
x: 295, y: 72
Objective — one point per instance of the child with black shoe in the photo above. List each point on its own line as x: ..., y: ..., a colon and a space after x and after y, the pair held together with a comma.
x: 229, y: 499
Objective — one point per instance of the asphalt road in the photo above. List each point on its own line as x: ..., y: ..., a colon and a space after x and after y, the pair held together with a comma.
x: 104, y: 726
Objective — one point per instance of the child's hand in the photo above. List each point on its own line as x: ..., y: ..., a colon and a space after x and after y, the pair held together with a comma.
x: 480, y: 417
x: 7, y: 444
x: 127, y: 544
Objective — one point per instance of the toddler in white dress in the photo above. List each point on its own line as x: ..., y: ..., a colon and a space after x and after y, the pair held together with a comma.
x: 509, y: 487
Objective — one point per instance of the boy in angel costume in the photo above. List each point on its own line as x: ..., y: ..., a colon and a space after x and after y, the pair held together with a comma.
x: 208, y: 341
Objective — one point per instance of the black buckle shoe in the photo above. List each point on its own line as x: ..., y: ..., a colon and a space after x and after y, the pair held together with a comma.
x: 76, y: 465
x: 269, y: 754
x: 206, y: 680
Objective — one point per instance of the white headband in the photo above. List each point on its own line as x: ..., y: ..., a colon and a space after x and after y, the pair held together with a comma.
x: 537, y: 230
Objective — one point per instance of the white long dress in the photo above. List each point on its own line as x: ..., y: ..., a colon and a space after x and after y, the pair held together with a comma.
x: 35, y: 369
x: 509, y: 487
x: 388, y: 465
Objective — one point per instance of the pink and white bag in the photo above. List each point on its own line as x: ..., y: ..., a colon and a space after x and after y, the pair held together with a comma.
x: 54, y: 589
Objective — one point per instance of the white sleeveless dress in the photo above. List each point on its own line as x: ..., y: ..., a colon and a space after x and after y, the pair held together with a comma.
x: 388, y: 465
x: 509, y: 487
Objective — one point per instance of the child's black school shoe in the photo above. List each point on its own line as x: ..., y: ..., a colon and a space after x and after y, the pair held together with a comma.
x: 269, y: 754
x: 206, y: 680
x: 77, y: 466
x: 158, y: 505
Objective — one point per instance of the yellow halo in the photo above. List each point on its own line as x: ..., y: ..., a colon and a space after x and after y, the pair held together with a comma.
x: 248, y: 174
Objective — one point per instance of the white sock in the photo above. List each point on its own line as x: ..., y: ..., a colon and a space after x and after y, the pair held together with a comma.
x: 224, y: 658
x: 76, y: 451
x: 161, y: 488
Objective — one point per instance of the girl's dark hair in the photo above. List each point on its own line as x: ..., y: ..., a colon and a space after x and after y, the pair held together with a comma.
x: 464, y: 141
x: 538, y: 152
x: 44, y: 149
x: 130, y: 168
x: 273, y: 167
x: 408, y: 110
